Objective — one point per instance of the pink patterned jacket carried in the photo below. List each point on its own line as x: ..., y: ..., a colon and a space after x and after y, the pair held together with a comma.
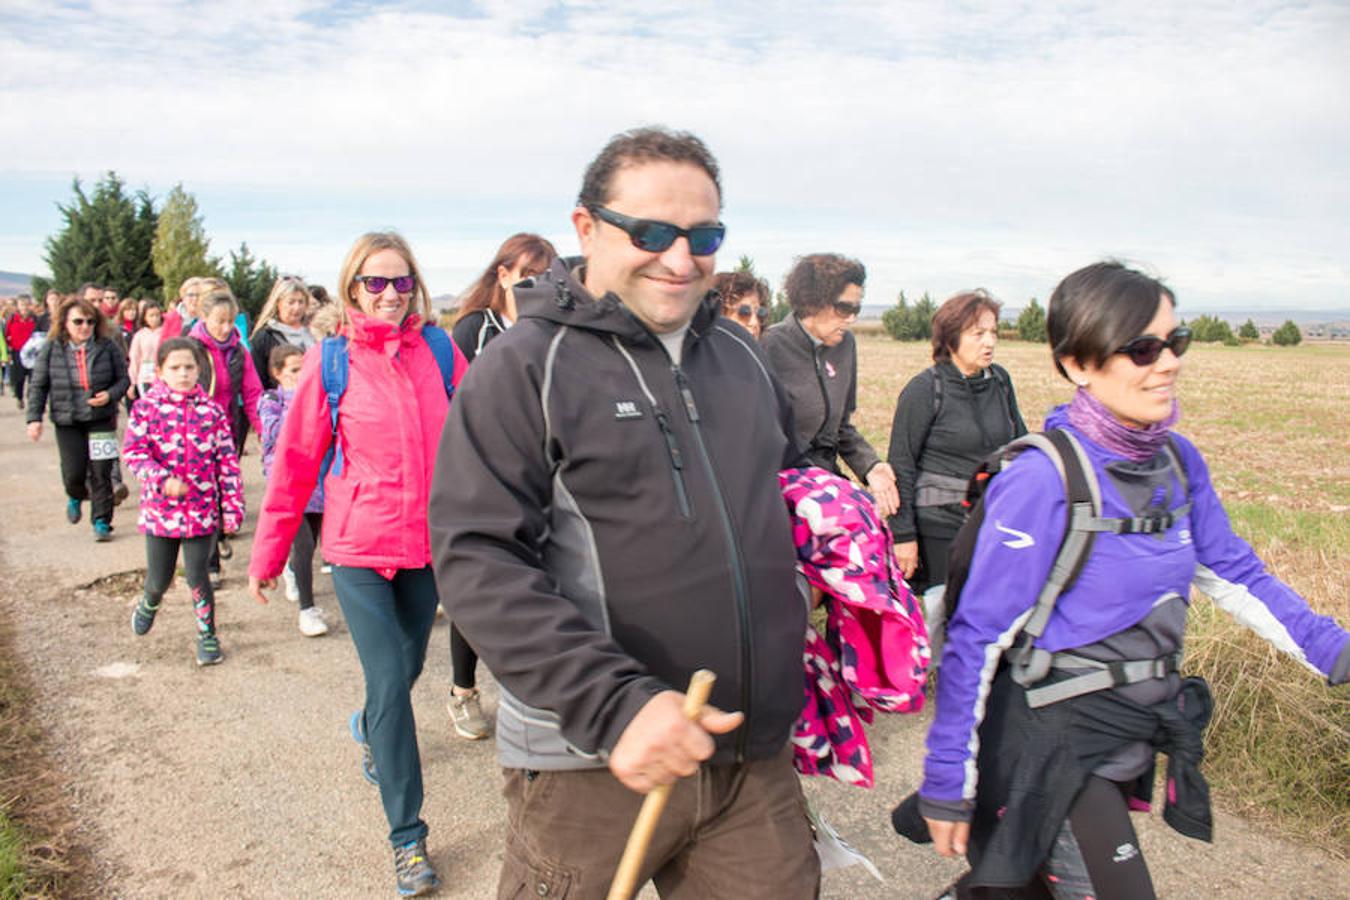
x: 875, y: 653
x: 183, y: 436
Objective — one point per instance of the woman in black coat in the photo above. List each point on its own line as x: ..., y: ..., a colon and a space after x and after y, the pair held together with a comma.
x: 947, y: 419
x: 83, y: 373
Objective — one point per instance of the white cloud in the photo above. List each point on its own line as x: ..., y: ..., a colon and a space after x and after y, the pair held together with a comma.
x: 944, y: 145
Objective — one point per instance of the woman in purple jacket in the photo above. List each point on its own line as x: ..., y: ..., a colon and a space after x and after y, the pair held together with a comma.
x: 1038, y: 788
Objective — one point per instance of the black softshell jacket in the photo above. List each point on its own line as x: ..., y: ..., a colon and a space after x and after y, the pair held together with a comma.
x: 604, y: 523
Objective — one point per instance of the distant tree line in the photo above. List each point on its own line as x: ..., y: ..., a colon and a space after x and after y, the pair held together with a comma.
x: 122, y: 240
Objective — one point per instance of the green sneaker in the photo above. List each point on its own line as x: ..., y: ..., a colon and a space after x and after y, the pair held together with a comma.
x: 414, y: 872
x: 143, y: 616
x: 208, y: 650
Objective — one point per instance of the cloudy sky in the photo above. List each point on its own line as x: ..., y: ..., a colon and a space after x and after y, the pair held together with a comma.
x: 947, y: 145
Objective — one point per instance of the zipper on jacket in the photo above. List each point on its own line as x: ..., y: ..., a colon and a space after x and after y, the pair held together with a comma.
x: 668, y: 433
x: 676, y: 461
x: 825, y: 395
x: 740, y: 589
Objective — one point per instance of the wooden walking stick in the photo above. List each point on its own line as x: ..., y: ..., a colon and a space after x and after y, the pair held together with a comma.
x: 625, y: 878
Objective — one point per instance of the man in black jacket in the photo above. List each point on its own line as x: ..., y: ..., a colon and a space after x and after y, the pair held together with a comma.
x: 605, y: 520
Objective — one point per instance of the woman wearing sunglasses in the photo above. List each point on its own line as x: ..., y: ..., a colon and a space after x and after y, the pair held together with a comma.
x: 83, y: 373
x: 947, y: 420
x: 384, y: 435
x: 813, y: 354
x: 1037, y: 785
x: 745, y: 300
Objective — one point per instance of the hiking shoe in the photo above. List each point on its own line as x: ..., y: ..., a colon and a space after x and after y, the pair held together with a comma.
x: 225, y: 547
x: 120, y: 493
x: 208, y: 650
x: 214, y: 579
x: 367, y: 758
x: 292, y: 587
x: 466, y: 715
x: 414, y: 872
x: 102, y: 530
x: 72, y: 510
x: 143, y: 616
x: 312, y: 623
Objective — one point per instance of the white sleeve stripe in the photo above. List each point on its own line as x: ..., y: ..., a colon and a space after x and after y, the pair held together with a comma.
x: 1247, y: 609
x: 992, y: 654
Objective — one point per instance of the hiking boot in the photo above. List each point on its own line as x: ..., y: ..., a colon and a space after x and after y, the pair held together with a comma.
x: 413, y: 870
x: 466, y: 715
x: 292, y: 587
x: 208, y: 650
x: 120, y: 493
x: 214, y: 579
x: 143, y: 616
x: 73, y: 512
x: 224, y: 546
x: 358, y: 727
x: 312, y: 623
x: 102, y: 530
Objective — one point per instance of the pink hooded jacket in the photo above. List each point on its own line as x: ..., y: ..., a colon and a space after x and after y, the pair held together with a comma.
x: 183, y: 436
x: 389, y: 426
x: 224, y: 392
x: 875, y: 653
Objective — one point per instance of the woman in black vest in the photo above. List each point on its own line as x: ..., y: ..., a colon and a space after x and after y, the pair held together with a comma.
x: 947, y: 419
x: 84, y: 374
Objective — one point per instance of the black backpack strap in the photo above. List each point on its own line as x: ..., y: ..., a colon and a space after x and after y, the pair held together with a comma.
x: 1084, y: 503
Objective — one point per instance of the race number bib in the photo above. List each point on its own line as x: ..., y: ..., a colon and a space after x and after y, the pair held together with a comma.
x: 102, y: 445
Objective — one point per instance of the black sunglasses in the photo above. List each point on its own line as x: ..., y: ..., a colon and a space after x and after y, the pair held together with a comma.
x: 847, y: 310
x: 745, y: 309
x: 376, y: 284
x: 80, y: 321
x: 1145, y: 349
x: 655, y: 236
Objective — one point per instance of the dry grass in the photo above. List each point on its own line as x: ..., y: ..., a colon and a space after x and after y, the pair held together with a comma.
x: 1272, y: 424
x: 39, y: 856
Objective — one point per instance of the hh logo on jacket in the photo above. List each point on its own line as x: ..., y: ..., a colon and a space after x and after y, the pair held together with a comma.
x: 627, y: 409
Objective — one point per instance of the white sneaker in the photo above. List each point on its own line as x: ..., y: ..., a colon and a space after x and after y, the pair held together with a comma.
x: 292, y: 589
x: 312, y: 623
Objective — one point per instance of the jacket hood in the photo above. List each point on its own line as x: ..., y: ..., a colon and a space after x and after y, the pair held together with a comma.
x: 558, y: 296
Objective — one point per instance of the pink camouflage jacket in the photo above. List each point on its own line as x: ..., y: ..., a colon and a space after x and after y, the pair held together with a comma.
x: 875, y: 653
x: 183, y: 436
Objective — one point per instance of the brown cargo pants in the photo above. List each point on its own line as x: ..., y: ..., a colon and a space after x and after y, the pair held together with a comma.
x: 728, y: 832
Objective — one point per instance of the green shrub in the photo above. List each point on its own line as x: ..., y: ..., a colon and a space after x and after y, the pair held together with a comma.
x: 1031, y: 323
x: 1249, y: 331
x: 910, y: 323
x: 1287, y: 335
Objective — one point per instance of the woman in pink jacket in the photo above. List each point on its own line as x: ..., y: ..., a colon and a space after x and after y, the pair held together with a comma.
x: 375, y: 515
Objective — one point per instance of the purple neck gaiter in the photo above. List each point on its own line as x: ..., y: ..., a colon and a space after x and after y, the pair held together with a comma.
x: 1095, y: 421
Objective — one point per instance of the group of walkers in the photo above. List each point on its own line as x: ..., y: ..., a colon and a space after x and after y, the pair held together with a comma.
x: 596, y: 501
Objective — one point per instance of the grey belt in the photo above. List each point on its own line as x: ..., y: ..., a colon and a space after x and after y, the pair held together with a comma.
x: 1108, y: 675
x: 932, y: 489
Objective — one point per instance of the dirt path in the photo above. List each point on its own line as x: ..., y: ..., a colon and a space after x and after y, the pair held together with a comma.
x: 240, y: 780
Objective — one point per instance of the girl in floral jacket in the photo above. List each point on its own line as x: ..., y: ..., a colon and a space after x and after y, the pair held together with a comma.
x: 179, y: 445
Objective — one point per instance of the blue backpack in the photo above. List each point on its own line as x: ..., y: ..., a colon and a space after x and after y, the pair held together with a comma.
x: 334, y: 371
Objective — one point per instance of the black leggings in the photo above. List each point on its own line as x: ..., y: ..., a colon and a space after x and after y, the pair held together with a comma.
x: 161, y: 556
x: 302, y: 556
x: 85, y: 478
x: 1096, y: 855
x: 463, y: 659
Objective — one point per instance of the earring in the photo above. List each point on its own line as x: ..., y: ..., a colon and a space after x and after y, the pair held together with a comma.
x: 1082, y: 383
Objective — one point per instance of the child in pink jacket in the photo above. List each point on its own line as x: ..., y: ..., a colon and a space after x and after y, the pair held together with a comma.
x: 178, y: 443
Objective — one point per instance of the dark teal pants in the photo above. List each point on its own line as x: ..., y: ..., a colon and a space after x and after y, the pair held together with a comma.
x: 390, y: 622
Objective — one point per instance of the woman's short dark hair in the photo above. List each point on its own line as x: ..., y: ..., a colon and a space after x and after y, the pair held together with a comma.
x: 817, y: 280
x: 1098, y: 309
x: 59, y: 332
x: 735, y: 285
x: 644, y: 145
x: 955, y: 315
x: 276, y: 360
x: 168, y: 345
